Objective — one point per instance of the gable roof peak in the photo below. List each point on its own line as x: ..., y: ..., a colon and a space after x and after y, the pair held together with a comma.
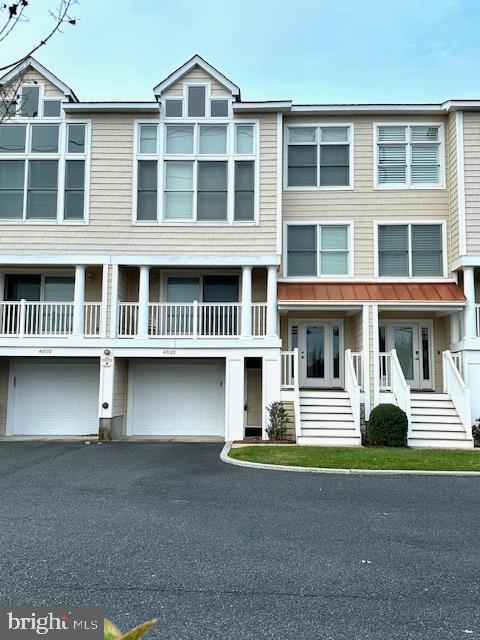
x: 33, y: 63
x: 196, y: 61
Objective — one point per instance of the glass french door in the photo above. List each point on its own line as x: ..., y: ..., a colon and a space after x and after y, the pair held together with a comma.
x: 320, y: 347
x: 413, y: 344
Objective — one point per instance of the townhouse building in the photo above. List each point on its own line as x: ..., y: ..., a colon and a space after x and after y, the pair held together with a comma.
x: 169, y: 268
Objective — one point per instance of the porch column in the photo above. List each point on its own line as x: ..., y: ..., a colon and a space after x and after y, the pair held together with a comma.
x: 366, y: 358
x: 246, y: 301
x: 470, y: 320
x: 143, y: 301
x: 234, y: 398
x: 79, y: 301
x: 272, y: 302
x: 454, y: 328
x: 271, y: 382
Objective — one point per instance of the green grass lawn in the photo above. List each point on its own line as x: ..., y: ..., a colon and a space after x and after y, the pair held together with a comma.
x: 361, y: 458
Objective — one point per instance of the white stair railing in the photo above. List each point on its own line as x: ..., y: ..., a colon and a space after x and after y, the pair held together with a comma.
x: 459, y: 393
x: 352, y: 387
x: 357, y: 357
x: 400, y: 388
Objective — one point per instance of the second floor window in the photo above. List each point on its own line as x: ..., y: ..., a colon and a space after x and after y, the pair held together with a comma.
x: 318, y: 250
x: 409, y: 156
x: 318, y: 157
x: 410, y: 250
x: 42, y: 175
x: 207, y: 173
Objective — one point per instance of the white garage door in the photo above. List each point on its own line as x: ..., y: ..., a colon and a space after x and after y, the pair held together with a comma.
x: 176, y: 398
x: 53, y: 397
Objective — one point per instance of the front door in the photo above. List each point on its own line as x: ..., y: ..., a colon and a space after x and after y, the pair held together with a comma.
x: 320, y: 354
x: 412, y: 342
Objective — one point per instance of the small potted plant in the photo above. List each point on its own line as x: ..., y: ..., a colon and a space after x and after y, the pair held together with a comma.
x: 278, y: 427
x: 476, y: 433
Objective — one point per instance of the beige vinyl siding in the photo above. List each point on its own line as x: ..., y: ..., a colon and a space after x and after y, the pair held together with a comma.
x: 4, y: 373
x: 452, y: 167
x: 357, y: 340
x: 50, y: 90
x: 471, y: 141
x: 110, y: 229
x: 197, y: 75
x: 364, y: 205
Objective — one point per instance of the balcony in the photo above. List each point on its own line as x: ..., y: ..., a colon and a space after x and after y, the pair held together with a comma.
x: 191, y: 320
x: 48, y: 319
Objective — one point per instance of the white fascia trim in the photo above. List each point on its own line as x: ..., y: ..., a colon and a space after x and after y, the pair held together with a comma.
x: 358, y: 304
x: 56, y: 259
x: 185, y: 68
x: 462, y: 223
x: 77, y: 107
x: 466, y: 261
x: 368, y: 108
x: 198, y: 261
x: 275, y: 105
x: 317, y: 304
x: 31, y: 62
x: 453, y: 105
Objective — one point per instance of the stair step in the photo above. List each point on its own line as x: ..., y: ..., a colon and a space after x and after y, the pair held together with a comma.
x: 436, y: 419
x: 434, y: 411
x: 439, y: 444
x: 329, y: 433
x: 325, y: 402
x: 426, y: 404
x: 330, y: 442
x: 438, y: 435
x: 306, y: 393
x: 429, y: 396
x: 304, y: 408
x: 437, y: 428
x: 327, y: 424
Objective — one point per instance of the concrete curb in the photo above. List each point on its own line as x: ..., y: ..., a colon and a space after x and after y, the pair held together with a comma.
x: 224, y: 457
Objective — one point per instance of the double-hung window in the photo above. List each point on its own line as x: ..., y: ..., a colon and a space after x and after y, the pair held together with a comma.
x: 207, y: 170
x: 318, y: 250
x: 410, y: 250
x: 42, y: 170
x: 319, y: 156
x: 409, y: 156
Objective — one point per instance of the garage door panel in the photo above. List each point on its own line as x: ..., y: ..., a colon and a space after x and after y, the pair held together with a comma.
x: 54, y: 398
x: 177, y: 399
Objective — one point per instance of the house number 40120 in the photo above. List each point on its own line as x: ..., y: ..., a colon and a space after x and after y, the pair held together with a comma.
x: 169, y: 352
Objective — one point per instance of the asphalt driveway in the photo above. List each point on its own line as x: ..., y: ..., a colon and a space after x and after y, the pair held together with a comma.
x: 216, y: 551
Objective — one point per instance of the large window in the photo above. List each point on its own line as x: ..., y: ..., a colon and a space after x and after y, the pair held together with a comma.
x: 410, y: 250
x: 319, y: 156
x: 42, y: 171
x: 318, y: 250
x: 208, y: 173
x: 409, y: 156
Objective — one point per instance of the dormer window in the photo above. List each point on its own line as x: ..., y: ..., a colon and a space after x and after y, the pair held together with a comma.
x: 218, y: 108
x: 29, y: 101
x: 196, y: 101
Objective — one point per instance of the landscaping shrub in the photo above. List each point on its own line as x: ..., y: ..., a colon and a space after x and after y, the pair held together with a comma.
x: 387, y: 427
x: 278, y: 421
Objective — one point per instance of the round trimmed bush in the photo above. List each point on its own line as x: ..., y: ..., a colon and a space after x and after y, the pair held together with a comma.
x: 387, y: 427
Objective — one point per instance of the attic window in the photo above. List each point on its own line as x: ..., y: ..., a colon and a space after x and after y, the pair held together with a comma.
x: 196, y: 101
x: 51, y: 108
x: 219, y: 108
x: 29, y: 101
x: 173, y: 108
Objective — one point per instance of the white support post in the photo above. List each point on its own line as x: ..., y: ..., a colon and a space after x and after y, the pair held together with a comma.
x: 234, y: 396
x: 271, y: 386
x: 272, y: 302
x: 454, y: 328
x: 79, y: 301
x: 366, y: 359
x: 105, y: 396
x: 246, y: 322
x: 103, y: 322
x: 470, y: 321
x: 143, y: 301
x: 114, y: 302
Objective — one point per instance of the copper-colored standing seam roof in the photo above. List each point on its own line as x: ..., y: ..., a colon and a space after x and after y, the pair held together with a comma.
x: 370, y: 292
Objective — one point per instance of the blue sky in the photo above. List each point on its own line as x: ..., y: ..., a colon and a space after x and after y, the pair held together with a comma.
x: 306, y: 50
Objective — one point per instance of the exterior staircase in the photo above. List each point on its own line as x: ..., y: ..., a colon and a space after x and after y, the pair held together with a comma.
x: 435, y: 423
x: 327, y: 419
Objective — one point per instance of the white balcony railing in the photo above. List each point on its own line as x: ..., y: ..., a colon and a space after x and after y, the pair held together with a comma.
x: 259, y: 319
x: 190, y: 320
x: 54, y: 319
